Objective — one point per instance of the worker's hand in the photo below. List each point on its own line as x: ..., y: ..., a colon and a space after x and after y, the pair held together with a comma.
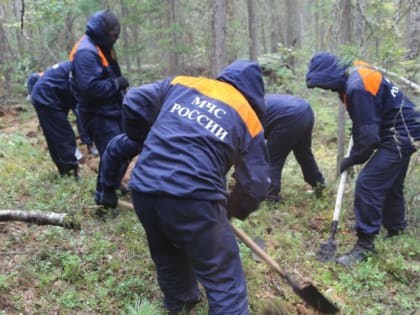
x: 107, y: 198
x: 345, y: 164
x: 122, y: 83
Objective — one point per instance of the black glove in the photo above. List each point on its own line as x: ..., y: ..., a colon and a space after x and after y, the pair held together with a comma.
x: 345, y: 164
x: 136, y: 129
x: 240, y: 207
x: 107, y: 198
x: 122, y: 83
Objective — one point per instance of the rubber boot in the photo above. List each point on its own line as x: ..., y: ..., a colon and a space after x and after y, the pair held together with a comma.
x: 320, y: 189
x: 70, y: 170
x: 187, y: 310
x: 393, y: 233
x: 364, y: 247
x: 274, y: 198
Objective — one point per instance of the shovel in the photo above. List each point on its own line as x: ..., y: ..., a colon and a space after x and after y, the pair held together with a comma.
x: 327, y: 250
x: 309, y: 294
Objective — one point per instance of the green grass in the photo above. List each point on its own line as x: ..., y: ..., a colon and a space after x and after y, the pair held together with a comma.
x: 105, y: 267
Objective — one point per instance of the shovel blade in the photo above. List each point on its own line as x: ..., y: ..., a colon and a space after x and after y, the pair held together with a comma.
x: 327, y: 251
x: 313, y: 297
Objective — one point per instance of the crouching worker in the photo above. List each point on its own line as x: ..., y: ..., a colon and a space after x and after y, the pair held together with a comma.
x: 84, y: 137
x: 199, y: 128
x: 53, y: 99
x: 288, y: 125
x: 30, y: 82
x: 385, y: 128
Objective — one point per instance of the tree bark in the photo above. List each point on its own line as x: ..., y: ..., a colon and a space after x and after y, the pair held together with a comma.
x: 293, y: 30
x: 345, y: 30
x: 219, y: 59
x: 252, y: 26
x: 275, y: 36
x: 41, y: 218
x: 413, y: 40
x: 170, y: 23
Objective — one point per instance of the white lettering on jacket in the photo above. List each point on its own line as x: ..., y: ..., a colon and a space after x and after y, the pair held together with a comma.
x: 202, y: 118
x: 210, y: 107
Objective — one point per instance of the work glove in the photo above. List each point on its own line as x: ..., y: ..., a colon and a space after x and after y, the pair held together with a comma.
x: 122, y: 83
x: 238, y: 207
x: 345, y: 164
x: 107, y: 198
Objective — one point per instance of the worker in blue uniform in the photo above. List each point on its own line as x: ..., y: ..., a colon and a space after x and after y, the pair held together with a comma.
x: 191, y: 131
x: 288, y: 125
x: 53, y: 99
x: 96, y: 79
x: 385, y: 128
x: 84, y: 137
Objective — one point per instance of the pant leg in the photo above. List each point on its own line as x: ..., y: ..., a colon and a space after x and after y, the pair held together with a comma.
x: 279, y: 145
x: 102, y: 129
x: 190, y: 240
x: 394, y: 207
x: 84, y: 135
x: 373, y: 185
x: 59, y: 135
x: 303, y: 150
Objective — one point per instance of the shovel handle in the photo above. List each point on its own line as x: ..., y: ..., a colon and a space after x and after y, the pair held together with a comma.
x: 125, y: 204
x: 340, y: 191
x: 256, y: 249
x: 264, y: 256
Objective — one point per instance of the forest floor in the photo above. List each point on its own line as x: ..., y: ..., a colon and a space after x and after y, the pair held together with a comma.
x: 105, y: 268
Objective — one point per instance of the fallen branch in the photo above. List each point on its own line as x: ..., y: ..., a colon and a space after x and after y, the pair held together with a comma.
x: 41, y: 218
x: 410, y: 84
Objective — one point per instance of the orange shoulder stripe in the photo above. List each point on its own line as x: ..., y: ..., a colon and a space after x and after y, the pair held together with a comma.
x: 227, y: 94
x: 101, y: 54
x: 371, y: 78
x: 73, y: 50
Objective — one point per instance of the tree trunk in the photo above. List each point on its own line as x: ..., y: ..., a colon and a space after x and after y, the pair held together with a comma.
x: 219, y: 57
x: 252, y: 26
x: 124, y: 32
x: 171, y: 20
x: 359, y: 28
x: 413, y: 25
x: 345, y: 26
x: 293, y: 29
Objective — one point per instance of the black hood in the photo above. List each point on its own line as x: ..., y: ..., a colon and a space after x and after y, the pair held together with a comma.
x: 246, y: 76
x: 99, y: 26
x: 326, y: 72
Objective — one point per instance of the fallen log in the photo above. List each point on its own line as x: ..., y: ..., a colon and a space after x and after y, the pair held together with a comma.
x: 41, y: 218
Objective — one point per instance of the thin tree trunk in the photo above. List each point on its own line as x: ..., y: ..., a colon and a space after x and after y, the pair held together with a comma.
x: 219, y: 58
x: 413, y: 25
x: 171, y: 20
x: 252, y: 26
x: 345, y: 30
x: 124, y: 14
x: 275, y: 37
